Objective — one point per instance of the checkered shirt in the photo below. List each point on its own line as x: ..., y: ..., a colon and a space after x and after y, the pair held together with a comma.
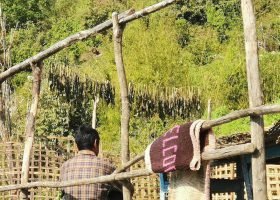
x: 86, y: 165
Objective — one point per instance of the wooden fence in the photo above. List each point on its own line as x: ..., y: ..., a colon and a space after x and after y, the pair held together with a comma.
x: 49, y: 153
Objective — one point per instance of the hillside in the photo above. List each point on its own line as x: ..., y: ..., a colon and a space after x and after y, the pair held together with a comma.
x: 192, y: 44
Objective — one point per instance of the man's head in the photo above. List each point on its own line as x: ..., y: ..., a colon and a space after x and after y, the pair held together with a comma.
x: 87, y: 138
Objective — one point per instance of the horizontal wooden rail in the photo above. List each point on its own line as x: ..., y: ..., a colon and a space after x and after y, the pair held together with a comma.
x: 261, y: 110
x: 226, y: 152
x: 130, y: 163
x: 81, y: 36
x: 215, y: 154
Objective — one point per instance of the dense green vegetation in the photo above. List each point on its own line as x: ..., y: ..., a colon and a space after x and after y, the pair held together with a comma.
x: 195, y: 44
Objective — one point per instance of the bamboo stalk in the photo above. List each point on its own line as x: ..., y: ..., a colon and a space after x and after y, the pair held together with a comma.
x: 30, y: 126
x: 215, y: 154
x: 81, y: 36
x: 117, y: 37
x: 255, y: 99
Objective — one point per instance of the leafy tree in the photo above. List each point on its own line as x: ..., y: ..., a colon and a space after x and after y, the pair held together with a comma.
x: 22, y: 12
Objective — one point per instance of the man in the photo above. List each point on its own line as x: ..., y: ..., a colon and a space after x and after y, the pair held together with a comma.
x: 86, y: 165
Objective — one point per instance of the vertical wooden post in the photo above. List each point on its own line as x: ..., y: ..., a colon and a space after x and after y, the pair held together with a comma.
x: 30, y: 126
x: 117, y: 37
x: 255, y: 99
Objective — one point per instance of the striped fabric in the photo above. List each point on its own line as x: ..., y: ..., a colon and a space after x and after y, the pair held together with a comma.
x: 85, y: 165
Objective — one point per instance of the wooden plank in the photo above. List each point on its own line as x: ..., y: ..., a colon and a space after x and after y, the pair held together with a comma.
x: 255, y: 99
x: 225, y: 185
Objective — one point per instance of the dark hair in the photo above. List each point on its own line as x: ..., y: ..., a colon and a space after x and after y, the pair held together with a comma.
x: 85, y: 137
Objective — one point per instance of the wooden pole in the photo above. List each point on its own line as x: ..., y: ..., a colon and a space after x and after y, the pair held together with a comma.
x: 260, y: 110
x: 255, y: 99
x: 130, y: 163
x: 30, y: 126
x: 117, y: 37
x: 230, y: 151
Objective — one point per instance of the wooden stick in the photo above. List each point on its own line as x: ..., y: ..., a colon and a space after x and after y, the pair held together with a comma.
x: 80, y: 36
x: 255, y: 99
x: 130, y: 163
x: 30, y: 126
x: 260, y: 110
x: 100, y: 179
x: 215, y: 154
x: 117, y: 37
x: 228, y: 152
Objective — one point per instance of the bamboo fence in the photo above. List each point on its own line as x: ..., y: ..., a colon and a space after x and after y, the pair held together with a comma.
x: 49, y: 153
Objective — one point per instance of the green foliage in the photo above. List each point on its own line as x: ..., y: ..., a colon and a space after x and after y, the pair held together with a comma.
x: 270, y: 73
x: 237, y: 126
x: 236, y: 94
x: 190, y: 44
x: 223, y: 16
x: 54, y: 115
x: 22, y: 12
x: 19, y: 79
x: 27, y: 41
